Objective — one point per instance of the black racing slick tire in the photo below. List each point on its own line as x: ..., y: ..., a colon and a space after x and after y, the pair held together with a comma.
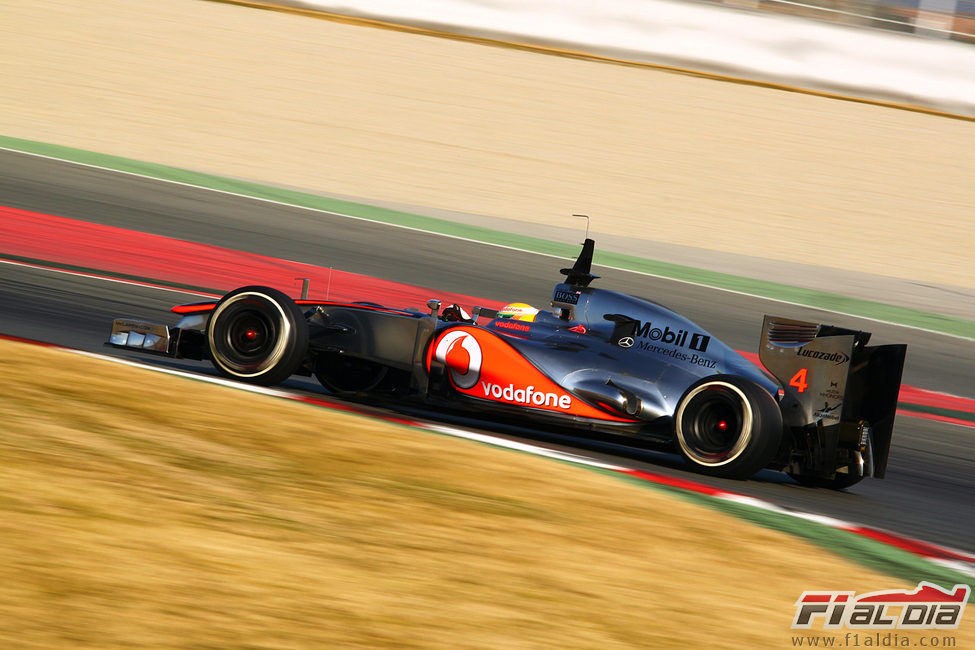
x: 727, y: 426
x: 257, y: 335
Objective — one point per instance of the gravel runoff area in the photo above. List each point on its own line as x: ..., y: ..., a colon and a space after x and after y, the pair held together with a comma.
x: 819, y: 192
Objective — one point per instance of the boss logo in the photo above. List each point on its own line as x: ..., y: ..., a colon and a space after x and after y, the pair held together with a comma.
x: 567, y: 297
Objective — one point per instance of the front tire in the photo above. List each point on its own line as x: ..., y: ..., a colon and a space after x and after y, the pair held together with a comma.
x: 257, y: 335
x: 727, y: 426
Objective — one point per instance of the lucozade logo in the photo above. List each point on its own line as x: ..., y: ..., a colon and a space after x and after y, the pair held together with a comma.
x: 461, y: 353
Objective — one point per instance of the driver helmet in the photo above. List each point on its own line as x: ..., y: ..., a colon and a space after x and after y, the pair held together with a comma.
x: 518, y: 311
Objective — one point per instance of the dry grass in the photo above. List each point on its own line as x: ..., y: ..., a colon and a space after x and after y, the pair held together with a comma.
x: 139, y: 510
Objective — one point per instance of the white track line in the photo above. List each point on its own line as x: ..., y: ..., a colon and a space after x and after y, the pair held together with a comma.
x: 213, y: 295
x: 92, y: 276
x: 478, y: 241
x: 966, y: 568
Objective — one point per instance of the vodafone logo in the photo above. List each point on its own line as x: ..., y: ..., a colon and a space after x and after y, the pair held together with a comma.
x: 484, y: 365
x: 461, y: 353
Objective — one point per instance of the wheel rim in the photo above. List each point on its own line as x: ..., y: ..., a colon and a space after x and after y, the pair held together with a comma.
x: 249, y: 337
x: 714, y: 423
x: 249, y: 334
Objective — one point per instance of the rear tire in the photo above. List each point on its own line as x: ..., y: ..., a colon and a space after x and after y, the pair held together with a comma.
x: 727, y: 426
x: 258, y: 335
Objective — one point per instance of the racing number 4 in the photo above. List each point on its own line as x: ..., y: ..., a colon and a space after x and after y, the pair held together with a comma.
x: 798, y: 380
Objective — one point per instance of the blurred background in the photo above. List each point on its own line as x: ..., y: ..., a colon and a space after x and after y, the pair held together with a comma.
x: 130, y: 522
x: 948, y: 19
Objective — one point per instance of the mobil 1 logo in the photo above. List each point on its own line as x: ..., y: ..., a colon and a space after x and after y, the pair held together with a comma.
x: 676, y: 337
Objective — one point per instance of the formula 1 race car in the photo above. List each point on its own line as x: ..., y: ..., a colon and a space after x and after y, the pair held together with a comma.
x: 600, y: 361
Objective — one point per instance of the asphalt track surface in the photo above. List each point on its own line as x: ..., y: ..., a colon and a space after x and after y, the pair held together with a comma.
x: 929, y: 492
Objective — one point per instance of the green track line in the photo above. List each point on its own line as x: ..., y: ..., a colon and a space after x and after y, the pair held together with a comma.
x: 875, y: 555
x: 864, y: 551
x: 935, y: 410
x: 809, y: 297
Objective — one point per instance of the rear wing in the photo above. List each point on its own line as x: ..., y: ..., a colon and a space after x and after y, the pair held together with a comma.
x: 835, y: 383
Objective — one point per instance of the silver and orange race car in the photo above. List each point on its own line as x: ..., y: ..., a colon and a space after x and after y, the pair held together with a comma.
x: 822, y: 409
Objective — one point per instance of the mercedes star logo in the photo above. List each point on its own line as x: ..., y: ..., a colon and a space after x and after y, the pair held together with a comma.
x: 625, y: 342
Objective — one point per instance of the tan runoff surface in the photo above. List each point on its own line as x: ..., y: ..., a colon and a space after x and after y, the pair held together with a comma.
x: 452, y: 125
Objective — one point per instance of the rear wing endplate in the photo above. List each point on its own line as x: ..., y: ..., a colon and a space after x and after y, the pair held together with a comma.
x: 834, y: 381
